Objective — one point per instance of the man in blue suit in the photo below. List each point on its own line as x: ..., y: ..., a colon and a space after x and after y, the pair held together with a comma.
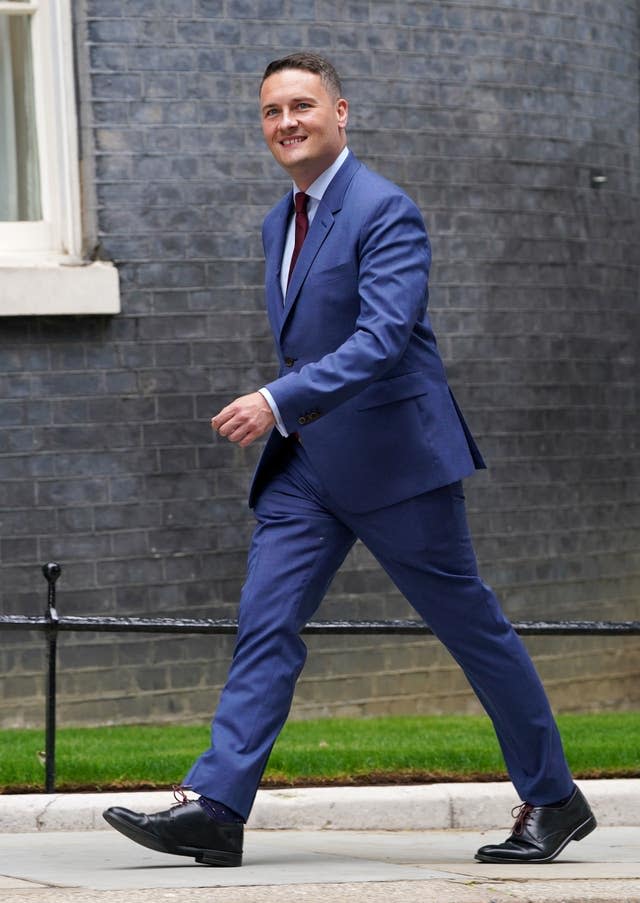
x: 366, y: 442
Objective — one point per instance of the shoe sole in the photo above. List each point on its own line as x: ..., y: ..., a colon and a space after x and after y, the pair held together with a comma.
x: 580, y: 832
x: 220, y: 858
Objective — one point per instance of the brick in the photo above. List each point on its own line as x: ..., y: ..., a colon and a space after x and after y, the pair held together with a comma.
x: 116, y: 86
x: 110, y: 112
x: 16, y: 387
x: 127, y: 488
x: 104, y: 8
x: 70, y: 519
x: 11, y: 413
x: 187, y: 275
x: 23, y: 686
x: 111, y: 31
x: 176, y: 541
x: 16, y: 494
x: 132, y: 543
x: 124, y: 410
x: 118, y: 140
x: 25, y: 358
x: 129, y: 571
x: 19, y: 467
x: 160, y: 59
x: 92, y: 656
x: 256, y: 9
x: 52, y: 493
x: 19, y: 549
x: 208, y: 8
x: 151, y: 679
x: 350, y: 11
x: 173, y: 354
x: 105, y: 57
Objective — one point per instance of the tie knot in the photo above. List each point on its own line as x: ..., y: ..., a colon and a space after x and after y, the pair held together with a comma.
x: 300, y: 201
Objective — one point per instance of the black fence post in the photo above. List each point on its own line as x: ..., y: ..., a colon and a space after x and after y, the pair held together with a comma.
x: 51, y: 572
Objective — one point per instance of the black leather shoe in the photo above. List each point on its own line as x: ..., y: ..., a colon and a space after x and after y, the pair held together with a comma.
x: 184, y: 829
x: 542, y: 832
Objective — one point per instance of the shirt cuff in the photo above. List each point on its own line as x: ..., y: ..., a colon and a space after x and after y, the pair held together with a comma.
x: 268, y: 397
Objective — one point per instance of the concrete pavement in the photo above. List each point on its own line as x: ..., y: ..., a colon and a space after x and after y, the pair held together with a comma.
x: 322, y: 866
x: 383, y: 844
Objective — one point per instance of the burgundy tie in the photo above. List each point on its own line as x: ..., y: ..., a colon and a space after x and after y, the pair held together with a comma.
x: 302, y: 227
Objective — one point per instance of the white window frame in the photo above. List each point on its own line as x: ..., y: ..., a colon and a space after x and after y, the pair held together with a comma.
x: 41, y: 266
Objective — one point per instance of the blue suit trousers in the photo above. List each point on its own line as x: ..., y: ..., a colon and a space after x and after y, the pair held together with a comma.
x: 423, y: 543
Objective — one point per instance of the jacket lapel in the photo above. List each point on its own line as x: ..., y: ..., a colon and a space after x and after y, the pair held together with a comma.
x: 275, y: 235
x: 320, y: 227
x: 318, y: 231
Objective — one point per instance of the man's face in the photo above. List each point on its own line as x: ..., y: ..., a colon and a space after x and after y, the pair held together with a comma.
x: 303, y: 125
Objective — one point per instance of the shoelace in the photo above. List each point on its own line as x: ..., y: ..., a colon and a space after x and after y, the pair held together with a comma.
x: 220, y: 814
x: 180, y: 795
x: 523, y: 813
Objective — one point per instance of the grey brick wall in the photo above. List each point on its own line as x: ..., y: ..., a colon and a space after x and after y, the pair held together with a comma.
x: 492, y: 115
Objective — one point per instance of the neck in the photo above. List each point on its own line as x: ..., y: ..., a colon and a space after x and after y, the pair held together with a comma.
x: 305, y: 180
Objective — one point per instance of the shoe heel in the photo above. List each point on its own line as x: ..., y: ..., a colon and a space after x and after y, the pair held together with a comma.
x: 585, y: 829
x: 220, y: 858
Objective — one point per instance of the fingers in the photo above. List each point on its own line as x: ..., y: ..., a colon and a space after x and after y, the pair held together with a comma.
x: 230, y: 424
x: 244, y: 420
x: 222, y: 418
x: 238, y: 432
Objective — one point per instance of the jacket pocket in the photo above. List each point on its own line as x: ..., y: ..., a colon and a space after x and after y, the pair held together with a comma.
x: 398, y: 388
x: 341, y: 272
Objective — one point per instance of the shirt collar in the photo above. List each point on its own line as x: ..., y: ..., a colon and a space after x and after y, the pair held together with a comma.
x: 317, y: 189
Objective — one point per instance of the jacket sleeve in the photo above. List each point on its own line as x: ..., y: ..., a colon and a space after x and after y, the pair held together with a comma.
x: 394, y: 258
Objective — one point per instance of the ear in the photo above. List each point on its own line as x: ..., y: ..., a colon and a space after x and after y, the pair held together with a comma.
x: 342, y: 111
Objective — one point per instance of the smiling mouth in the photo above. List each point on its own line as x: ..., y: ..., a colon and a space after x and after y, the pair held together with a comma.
x: 290, y: 142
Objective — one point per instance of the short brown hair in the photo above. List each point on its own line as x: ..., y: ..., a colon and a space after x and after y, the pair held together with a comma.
x: 310, y: 62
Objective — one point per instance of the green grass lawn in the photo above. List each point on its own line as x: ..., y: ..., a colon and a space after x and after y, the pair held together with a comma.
x: 314, y: 752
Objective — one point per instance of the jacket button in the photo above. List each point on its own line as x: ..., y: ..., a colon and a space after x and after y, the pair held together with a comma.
x: 289, y: 361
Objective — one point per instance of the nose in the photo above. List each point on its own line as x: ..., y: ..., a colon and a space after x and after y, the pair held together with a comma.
x: 288, y: 120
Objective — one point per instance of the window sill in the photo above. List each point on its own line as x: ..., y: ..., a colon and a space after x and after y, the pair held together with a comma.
x: 51, y: 286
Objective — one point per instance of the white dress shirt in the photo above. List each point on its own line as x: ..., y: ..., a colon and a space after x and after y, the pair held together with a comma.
x: 315, y: 191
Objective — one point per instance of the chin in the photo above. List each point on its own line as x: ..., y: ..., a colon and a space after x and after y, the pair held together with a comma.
x: 293, y: 163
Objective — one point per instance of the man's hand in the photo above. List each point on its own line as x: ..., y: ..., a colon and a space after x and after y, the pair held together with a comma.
x: 244, y: 420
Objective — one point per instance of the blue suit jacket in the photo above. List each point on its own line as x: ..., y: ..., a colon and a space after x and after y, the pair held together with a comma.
x: 360, y: 377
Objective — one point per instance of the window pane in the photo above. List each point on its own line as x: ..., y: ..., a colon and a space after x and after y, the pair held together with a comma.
x: 19, y: 170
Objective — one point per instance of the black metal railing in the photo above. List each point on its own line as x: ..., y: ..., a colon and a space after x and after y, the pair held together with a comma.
x: 51, y: 623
